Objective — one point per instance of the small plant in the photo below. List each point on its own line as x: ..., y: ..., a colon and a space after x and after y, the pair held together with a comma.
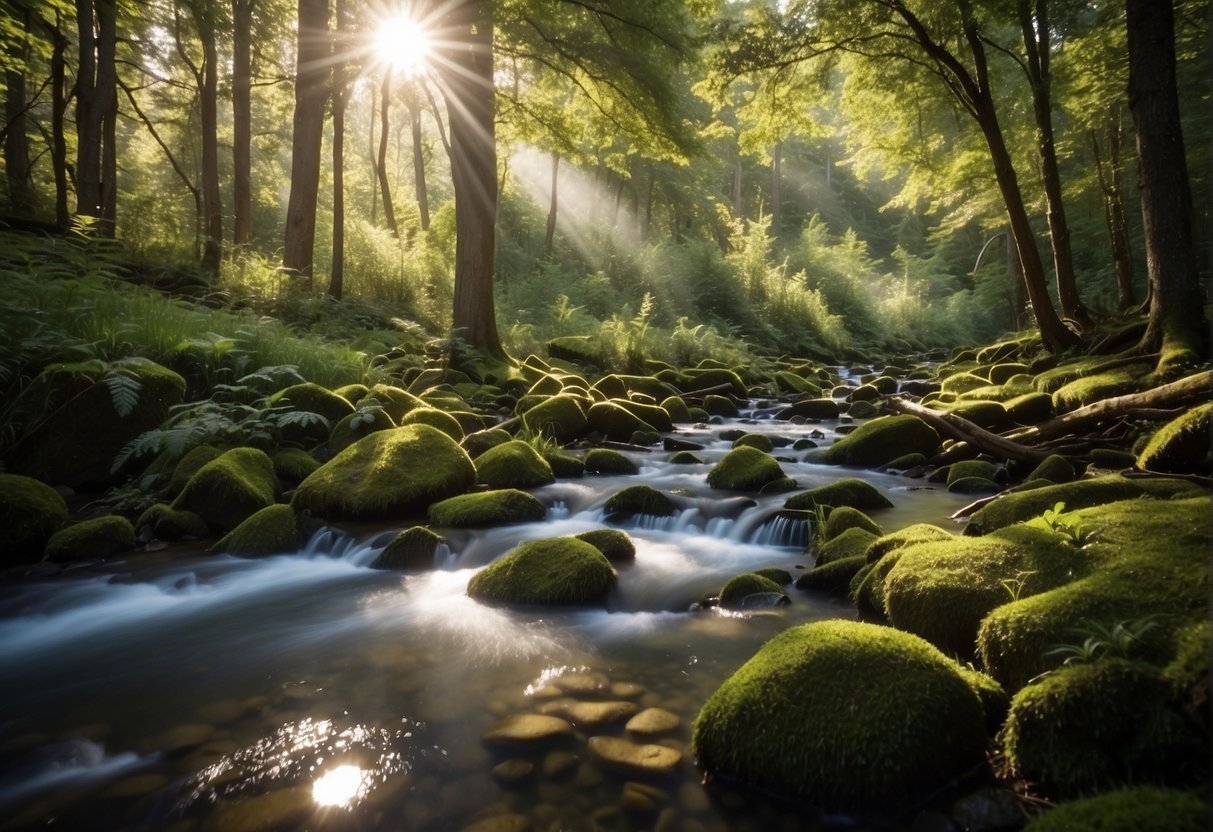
x: 1101, y: 641
x: 1014, y: 586
x: 821, y: 513
x: 540, y: 441
x: 1071, y: 528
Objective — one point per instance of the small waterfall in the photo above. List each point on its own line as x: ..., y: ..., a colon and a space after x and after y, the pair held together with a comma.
x: 781, y: 531
x: 559, y: 510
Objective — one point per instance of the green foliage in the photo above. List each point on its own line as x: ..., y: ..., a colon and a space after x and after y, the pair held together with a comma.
x: 1103, y: 641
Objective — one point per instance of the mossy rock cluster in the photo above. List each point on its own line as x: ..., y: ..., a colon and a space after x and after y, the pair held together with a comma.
x: 744, y: 469
x: 847, y: 716
x: 167, y: 523
x: 882, y: 440
x: 274, y: 530
x: 559, y: 571
x: 353, y: 427
x: 98, y: 538
x: 230, y: 488
x: 843, y: 518
x: 490, y: 508
x: 30, y: 512
x: 388, y: 474
x: 513, y: 464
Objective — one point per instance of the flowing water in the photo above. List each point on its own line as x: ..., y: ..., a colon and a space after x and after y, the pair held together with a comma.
x: 310, y: 691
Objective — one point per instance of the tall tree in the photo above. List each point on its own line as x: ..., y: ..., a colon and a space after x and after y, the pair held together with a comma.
x: 1176, y: 325
x: 242, y: 122
x: 16, y: 122
x: 311, y: 73
x: 96, y: 112
x: 340, y: 90
x: 385, y: 187
x: 205, y: 14
x: 58, y: 116
x: 413, y: 99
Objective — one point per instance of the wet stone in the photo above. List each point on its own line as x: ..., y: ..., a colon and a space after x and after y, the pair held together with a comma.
x: 582, y: 684
x: 512, y: 772
x: 653, y: 721
x: 633, y: 758
x: 693, y: 798
x: 510, y: 822
x: 597, y: 714
x: 558, y: 763
x: 626, y: 690
x: 527, y: 729
x: 588, y: 775
x: 283, y: 808
x: 638, y: 797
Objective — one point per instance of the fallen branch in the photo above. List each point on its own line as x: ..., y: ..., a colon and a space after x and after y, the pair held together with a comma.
x: 962, y: 429
x: 699, y: 394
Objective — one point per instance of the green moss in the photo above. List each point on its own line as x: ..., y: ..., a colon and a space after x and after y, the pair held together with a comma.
x: 547, y: 385
x: 1112, y: 459
x: 554, y: 571
x: 885, y: 385
x: 984, y: 414
x: 851, y: 491
x: 1024, y: 505
x: 230, y: 488
x: 834, y: 577
x: 513, y: 464
x: 353, y: 393
x: 846, y: 517
x: 294, y: 465
x: 489, y: 508
x: 272, y: 531
x: 876, y: 442
x: 101, y: 537
x: 395, y: 400
x: 1057, y: 377
x: 189, y: 464
x: 685, y: 458
x: 1089, y: 389
x: 614, y: 421
x: 791, y: 719
x: 1001, y: 373
x: 1181, y: 446
x: 1137, y: 809
x: 862, y: 410
x: 744, y: 469
x: 774, y: 573
x: 759, y: 441
x: 353, y: 427
x: 413, y: 548
x: 971, y: 468
x: 1152, y: 561
x: 1090, y: 727
x: 818, y: 409
x: 962, y: 383
x: 792, y: 383
x: 564, y: 466
x: 720, y: 406
x: 651, y: 414
x: 387, y: 474
x: 30, y: 512
x: 917, y: 533
x: 1029, y: 408
x: 435, y: 418
x: 852, y: 542
x: 734, y: 593
x: 615, y: 545
x: 612, y: 387
x: 677, y: 410
x: 640, y: 499
x: 607, y: 461
x: 703, y: 378
x: 994, y: 700
x: 906, y: 462
x: 167, y: 523
x: 314, y: 399
x: 648, y: 385
x: 1055, y: 468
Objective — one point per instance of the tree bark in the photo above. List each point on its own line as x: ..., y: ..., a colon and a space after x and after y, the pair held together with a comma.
x: 389, y: 210
x: 340, y: 67
x: 16, y: 123
x: 1111, y: 185
x: 470, y: 101
x: 242, y: 122
x: 212, y: 206
x: 423, y: 199
x: 962, y: 429
x: 88, y: 129
x: 58, y: 120
x: 550, y: 236
x: 776, y: 189
x: 1176, y: 325
x: 310, y: 94
x: 737, y: 186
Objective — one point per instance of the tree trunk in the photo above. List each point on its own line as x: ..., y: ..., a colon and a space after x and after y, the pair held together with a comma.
x: 1111, y: 185
x: 1017, y: 294
x: 389, y: 210
x: 105, y: 112
x: 337, y: 270
x: 776, y: 189
x: 212, y: 207
x: 310, y: 75
x: 423, y: 199
x: 16, y: 139
x: 88, y: 130
x: 372, y: 154
x: 242, y: 122
x: 1176, y: 326
x: 58, y: 119
x: 737, y: 186
x: 550, y: 236
x: 468, y: 83
x: 647, y: 231
x: 1036, y: 34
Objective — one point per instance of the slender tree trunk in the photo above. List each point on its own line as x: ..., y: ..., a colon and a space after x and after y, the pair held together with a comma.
x: 1177, y: 326
x: 106, y: 111
x: 373, y: 154
x: 423, y: 199
x: 1017, y: 293
x: 212, y: 207
x: 340, y: 67
x: 310, y: 94
x: 550, y: 237
x: 88, y: 132
x: 389, y: 210
x: 16, y: 140
x: 242, y: 122
x: 1111, y: 184
x: 776, y: 189
x: 618, y: 199
x: 468, y: 82
x: 737, y: 186
x: 648, y: 203
x: 58, y: 121
x: 1036, y: 34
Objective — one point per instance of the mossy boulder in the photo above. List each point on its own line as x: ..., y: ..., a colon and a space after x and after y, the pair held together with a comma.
x: 1135, y: 809
x: 513, y: 464
x: 651, y: 414
x: 1029, y: 408
x: 1090, y: 727
x: 559, y: 571
x: 962, y: 383
x: 356, y: 425
x: 760, y: 441
x: 615, y: 545
x: 395, y: 400
x: 352, y: 393
x: 851, y: 492
x: 489, y: 508
x: 702, y: 378
x: 1092, y: 388
x: 293, y: 465
x: 917, y: 533
x: 834, y: 577
x: 1002, y: 373
x: 189, y: 464
x: 685, y: 458
x: 30, y: 512
x: 971, y: 468
x: 676, y: 408
x: 640, y: 499
x: 313, y: 398
x: 274, y: 530
x: 413, y: 548
x: 985, y: 414
x: 93, y: 415
x: 846, y: 517
x: 877, y: 442
x: 168, y: 523
x: 564, y: 466
x: 744, y: 469
x: 607, y: 461
x: 100, y: 537
x: 482, y: 440
x: 1181, y: 446
x: 851, y: 717
x: 774, y: 573
x: 387, y: 474
x: 717, y: 405
x: 614, y: 421
x: 817, y: 409
x: 740, y: 587
x: 1055, y: 468
x: 435, y: 418
x: 852, y: 542
x: 862, y: 410
x: 230, y: 488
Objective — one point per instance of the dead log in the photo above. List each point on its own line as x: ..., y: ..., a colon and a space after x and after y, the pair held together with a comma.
x: 962, y: 429
x: 699, y: 394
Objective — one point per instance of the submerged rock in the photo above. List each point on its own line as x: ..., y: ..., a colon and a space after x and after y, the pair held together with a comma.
x: 527, y: 730
x: 552, y: 571
x: 633, y: 759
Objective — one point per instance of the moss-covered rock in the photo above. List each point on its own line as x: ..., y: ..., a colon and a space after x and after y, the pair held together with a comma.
x: 740, y: 587
x: 352, y: 393
x: 1055, y: 468
x: 685, y: 458
x: 774, y: 573
x: 434, y: 418
x: 791, y: 719
x: 994, y: 700
x: 615, y: 545
x: 962, y: 382
x: 717, y: 405
x: 1182, y: 445
x: 703, y: 378
x: 651, y: 414
x: 489, y: 508
x: 395, y: 400
x: 758, y: 441
x: 100, y: 537
x: 293, y: 465
x: 413, y: 548
x: 189, y: 464
x: 853, y: 542
x: 677, y: 410
x: 1092, y: 388
x: 482, y: 440
x: 356, y: 425
x: 387, y: 474
x: 230, y: 488
x: 555, y: 571
x: 1137, y: 809
x: 1001, y: 373
x: 513, y: 464
x: 810, y: 409
x: 167, y: 523
x: 1090, y: 727
x: 917, y: 533
x: 744, y: 469
x: 640, y: 499
x: 1029, y: 408
x: 90, y: 416
x: 614, y: 421
x: 905, y: 462
x: 313, y: 398
x: 564, y: 466
x: 845, y: 517
x: 274, y: 530
x: 851, y: 492
x: 862, y: 410
x: 985, y: 414
x: 1024, y: 505
x: 607, y: 461
x: 834, y: 577
x: 880, y: 440
x: 30, y: 512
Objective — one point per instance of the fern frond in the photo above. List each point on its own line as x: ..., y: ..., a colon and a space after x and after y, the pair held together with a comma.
x: 124, y: 389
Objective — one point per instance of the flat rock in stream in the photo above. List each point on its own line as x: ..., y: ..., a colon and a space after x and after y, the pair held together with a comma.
x: 633, y: 758
x: 527, y: 729
x: 653, y: 721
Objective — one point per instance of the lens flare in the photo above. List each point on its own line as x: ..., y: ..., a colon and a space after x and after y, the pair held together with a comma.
x: 340, y: 787
x: 403, y: 43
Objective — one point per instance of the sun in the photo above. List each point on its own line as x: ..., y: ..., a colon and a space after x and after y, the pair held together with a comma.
x: 403, y: 43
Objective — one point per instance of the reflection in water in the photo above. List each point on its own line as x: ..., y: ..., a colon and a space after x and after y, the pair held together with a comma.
x: 343, y: 786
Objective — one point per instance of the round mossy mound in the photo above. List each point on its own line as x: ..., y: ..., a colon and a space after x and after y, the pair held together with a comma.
x: 845, y: 517
x: 274, y: 530
x: 564, y: 466
x: 30, y: 512
x: 720, y: 406
x: 189, y: 464
x: 513, y: 464
x: 614, y: 421
x: 1090, y: 727
x: 1029, y: 408
x: 852, y: 542
x: 615, y: 545
x: 607, y: 461
x: 834, y: 577
x: 744, y: 469
x: 759, y: 441
x: 810, y: 409
x: 650, y: 414
x: 1138, y: 809
x: 101, y: 537
x: 491, y: 508
x: 294, y: 465
x: 685, y: 458
x: 314, y: 399
x: 677, y: 409
x: 1055, y: 468
x: 881, y: 440
x: 435, y: 418
x: 482, y: 440
x: 851, y: 492
x: 773, y: 573
x: 640, y: 499
x: 387, y: 474
x: 554, y: 571
x: 740, y: 587
x: 353, y: 427
x: 395, y: 400
x: 1181, y: 446
x: 971, y: 468
x: 847, y: 716
x: 917, y: 533
x: 168, y: 523
x: 230, y: 488
x: 413, y: 548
